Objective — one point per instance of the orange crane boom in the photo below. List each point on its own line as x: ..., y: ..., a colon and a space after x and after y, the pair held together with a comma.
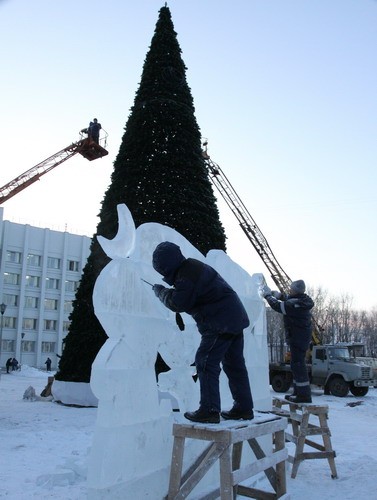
x: 86, y: 147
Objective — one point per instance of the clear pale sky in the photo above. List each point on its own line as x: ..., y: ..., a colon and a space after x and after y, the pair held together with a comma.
x: 284, y: 91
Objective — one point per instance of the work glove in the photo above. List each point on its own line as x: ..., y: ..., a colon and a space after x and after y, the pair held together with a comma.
x: 163, y: 294
x: 266, y: 291
x: 158, y: 289
x: 276, y: 294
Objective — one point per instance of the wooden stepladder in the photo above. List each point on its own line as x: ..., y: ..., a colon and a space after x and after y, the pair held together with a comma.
x: 225, y: 444
x: 298, y: 415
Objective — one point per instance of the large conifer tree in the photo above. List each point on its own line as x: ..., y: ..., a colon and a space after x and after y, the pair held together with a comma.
x: 159, y: 173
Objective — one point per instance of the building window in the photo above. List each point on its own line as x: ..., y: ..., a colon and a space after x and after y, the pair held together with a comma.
x: 9, y: 322
x: 11, y: 279
x: 52, y: 284
x: 33, y: 281
x: 66, y: 326
x: 28, y: 346
x: 72, y: 265
x: 34, y: 260
x: 29, y: 324
x: 7, y: 345
x: 10, y: 300
x: 13, y: 257
x: 71, y: 286
x: 53, y: 263
x: 48, y: 347
x: 50, y: 324
x: 51, y: 304
x: 68, y: 306
x: 31, y: 302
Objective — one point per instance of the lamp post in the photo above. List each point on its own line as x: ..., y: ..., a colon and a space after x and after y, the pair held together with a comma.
x: 2, y: 311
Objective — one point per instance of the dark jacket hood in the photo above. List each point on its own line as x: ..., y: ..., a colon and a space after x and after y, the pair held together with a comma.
x: 167, y: 258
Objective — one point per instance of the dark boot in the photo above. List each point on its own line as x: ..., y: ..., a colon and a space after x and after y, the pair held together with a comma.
x: 235, y: 414
x: 203, y: 416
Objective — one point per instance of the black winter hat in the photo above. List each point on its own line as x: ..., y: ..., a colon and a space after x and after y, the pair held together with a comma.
x: 298, y: 286
x: 167, y: 257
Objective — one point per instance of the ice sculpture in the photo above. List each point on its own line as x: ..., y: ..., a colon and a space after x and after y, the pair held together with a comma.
x: 131, y: 451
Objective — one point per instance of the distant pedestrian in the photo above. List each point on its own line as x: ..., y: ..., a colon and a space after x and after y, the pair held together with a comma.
x: 14, y: 364
x: 48, y: 364
x: 8, y: 364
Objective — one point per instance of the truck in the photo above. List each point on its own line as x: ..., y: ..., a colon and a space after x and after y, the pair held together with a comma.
x: 357, y: 351
x: 331, y: 367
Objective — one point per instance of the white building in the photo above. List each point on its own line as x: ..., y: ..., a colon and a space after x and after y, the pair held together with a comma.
x: 40, y: 270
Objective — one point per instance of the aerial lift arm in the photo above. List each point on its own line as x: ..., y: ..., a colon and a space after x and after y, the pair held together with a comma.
x: 247, y: 223
x: 86, y: 147
x: 252, y: 231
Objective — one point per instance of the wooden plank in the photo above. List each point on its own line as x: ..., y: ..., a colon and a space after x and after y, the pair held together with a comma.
x: 216, y: 450
x: 328, y: 447
x: 259, y: 430
x: 315, y: 445
x: 316, y: 410
x: 259, y: 453
x: 261, y: 465
x: 226, y: 476
x: 176, y: 466
x: 237, y: 454
x: 246, y: 491
x: 300, y: 444
x: 236, y: 460
x: 201, y: 431
x: 196, y: 463
x: 315, y: 431
x: 307, y: 455
x: 240, y: 432
x: 281, y: 482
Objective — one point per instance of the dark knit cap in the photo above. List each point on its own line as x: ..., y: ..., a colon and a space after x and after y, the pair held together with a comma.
x: 298, y: 286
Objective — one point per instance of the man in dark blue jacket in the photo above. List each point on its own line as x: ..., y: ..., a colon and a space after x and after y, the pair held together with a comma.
x: 221, y: 318
x: 295, y: 307
x: 93, y: 130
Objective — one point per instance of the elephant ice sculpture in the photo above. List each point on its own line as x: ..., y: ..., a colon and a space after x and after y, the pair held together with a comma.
x: 131, y: 451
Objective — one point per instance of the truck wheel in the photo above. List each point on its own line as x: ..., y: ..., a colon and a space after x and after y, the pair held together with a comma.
x: 338, y: 387
x: 280, y: 383
x: 359, y: 391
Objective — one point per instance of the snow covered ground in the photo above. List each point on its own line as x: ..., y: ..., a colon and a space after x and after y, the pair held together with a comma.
x: 44, y: 446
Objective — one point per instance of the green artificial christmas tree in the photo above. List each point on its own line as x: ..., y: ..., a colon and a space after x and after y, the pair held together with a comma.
x: 160, y: 174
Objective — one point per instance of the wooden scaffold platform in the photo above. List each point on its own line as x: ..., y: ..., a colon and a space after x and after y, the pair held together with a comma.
x: 298, y: 416
x: 225, y: 444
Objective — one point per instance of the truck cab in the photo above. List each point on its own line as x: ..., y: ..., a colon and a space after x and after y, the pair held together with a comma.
x: 331, y: 367
x: 337, y: 371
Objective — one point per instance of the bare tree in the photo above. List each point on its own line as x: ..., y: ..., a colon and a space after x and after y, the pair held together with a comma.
x: 275, y: 335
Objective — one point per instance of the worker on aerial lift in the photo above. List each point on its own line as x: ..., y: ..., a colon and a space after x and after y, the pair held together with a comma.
x: 93, y: 130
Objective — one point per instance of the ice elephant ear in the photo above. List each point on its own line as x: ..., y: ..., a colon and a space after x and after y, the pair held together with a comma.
x: 123, y: 244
